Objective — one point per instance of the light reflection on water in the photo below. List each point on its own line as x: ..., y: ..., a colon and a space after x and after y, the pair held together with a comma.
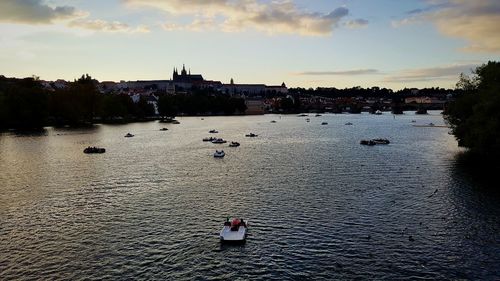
x: 320, y: 205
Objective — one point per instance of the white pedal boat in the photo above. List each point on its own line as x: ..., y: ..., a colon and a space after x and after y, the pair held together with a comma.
x: 219, y: 154
x: 234, y: 232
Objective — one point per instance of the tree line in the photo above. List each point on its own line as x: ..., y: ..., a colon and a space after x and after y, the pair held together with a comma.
x: 373, y: 92
x: 475, y: 115
x: 26, y: 104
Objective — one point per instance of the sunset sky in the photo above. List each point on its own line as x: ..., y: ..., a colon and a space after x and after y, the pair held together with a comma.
x: 306, y: 43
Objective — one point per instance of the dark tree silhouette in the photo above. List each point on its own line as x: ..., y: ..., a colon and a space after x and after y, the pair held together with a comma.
x: 475, y: 115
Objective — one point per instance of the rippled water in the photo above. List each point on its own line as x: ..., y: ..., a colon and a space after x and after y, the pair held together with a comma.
x: 320, y: 206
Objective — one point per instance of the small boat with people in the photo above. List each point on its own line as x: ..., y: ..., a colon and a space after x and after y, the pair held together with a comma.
x: 374, y: 141
x: 129, y: 135
x: 218, y: 141
x: 234, y: 144
x: 219, y: 154
x: 251, y: 135
x: 234, y: 231
x: 378, y: 112
x: 164, y: 129
x: 367, y: 142
x: 381, y: 141
x: 317, y: 115
x: 213, y: 132
x: 210, y: 139
x: 167, y: 120
x: 348, y: 124
x: 273, y: 121
x: 324, y: 123
x: 94, y: 150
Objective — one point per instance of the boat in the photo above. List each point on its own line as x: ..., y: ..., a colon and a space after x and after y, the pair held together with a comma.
x: 367, y: 142
x: 129, y: 135
x: 302, y: 115
x: 210, y: 139
x: 234, y: 231
x: 234, y: 144
x: 219, y: 140
x: 431, y: 124
x: 213, y: 132
x: 348, y: 124
x: 175, y: 122
x: 94, y: 150
x: 219, y: 154
x: 251, y: 135
x: 324, y: 123
x: 273, y: 121
x: 381, y: 141
x: 308, y: 120
x: 317, y: 115
x: 414, y: 121
x: 164, y: 129
x: 421, y: 111
x: 167, y: 120
x: 378, y: 112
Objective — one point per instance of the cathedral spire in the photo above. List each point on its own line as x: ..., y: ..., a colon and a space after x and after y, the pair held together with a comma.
x: 183, y: 73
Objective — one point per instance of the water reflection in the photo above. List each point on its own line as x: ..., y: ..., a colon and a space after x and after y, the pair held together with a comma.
x: 30, y: 133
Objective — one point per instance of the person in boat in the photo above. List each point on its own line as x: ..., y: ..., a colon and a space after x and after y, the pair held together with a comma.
x: 228, y: 223
x: 235, y: 225
x: 242, y: 223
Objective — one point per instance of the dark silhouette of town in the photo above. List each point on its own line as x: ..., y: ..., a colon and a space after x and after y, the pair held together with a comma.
x: 33, y: 103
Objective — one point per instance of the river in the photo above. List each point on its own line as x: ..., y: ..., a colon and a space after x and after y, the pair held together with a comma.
x: 320, y: 206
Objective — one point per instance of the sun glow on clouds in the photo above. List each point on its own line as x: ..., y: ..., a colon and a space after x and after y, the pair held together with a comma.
x: 239, y: 15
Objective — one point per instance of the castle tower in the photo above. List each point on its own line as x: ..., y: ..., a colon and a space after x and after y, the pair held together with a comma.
x: 176, y: 74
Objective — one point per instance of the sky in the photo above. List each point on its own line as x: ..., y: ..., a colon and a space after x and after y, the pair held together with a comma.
x: 304, y: 43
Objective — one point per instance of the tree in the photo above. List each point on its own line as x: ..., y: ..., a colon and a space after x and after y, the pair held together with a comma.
x: 475, y: 115
x: 23, y: 104
x: 167, y: 106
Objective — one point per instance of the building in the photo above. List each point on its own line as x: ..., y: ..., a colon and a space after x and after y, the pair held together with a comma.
x: 255, y: 106
x: 252, y: 89
x: 184, y: 81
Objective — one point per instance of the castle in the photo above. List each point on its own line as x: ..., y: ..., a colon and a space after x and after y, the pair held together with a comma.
x: 186, y: 77
x: 185, y: 81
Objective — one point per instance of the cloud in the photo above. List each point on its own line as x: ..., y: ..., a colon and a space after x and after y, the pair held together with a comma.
x: 35, y: 12
x: 357, y: 23
x: 197, y: 25
x: 106, y: 26
x: 475, y: 21
x: 430, y: 74
x: 345, y: 72
x: 237, y: 15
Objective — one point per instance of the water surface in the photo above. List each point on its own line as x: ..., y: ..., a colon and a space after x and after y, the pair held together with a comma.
x: 320, y: 205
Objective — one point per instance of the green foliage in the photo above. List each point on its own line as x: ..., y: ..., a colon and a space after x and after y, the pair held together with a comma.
x: 475, y: 115
x: 23, y: 104
x: 76, y: 105
x: 4, y: 114
x: 200, y: 102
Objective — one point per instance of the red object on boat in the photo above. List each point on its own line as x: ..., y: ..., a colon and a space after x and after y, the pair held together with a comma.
x: 235, y: 222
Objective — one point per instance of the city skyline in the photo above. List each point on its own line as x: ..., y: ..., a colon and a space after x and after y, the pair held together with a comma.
x: 393, y: 44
